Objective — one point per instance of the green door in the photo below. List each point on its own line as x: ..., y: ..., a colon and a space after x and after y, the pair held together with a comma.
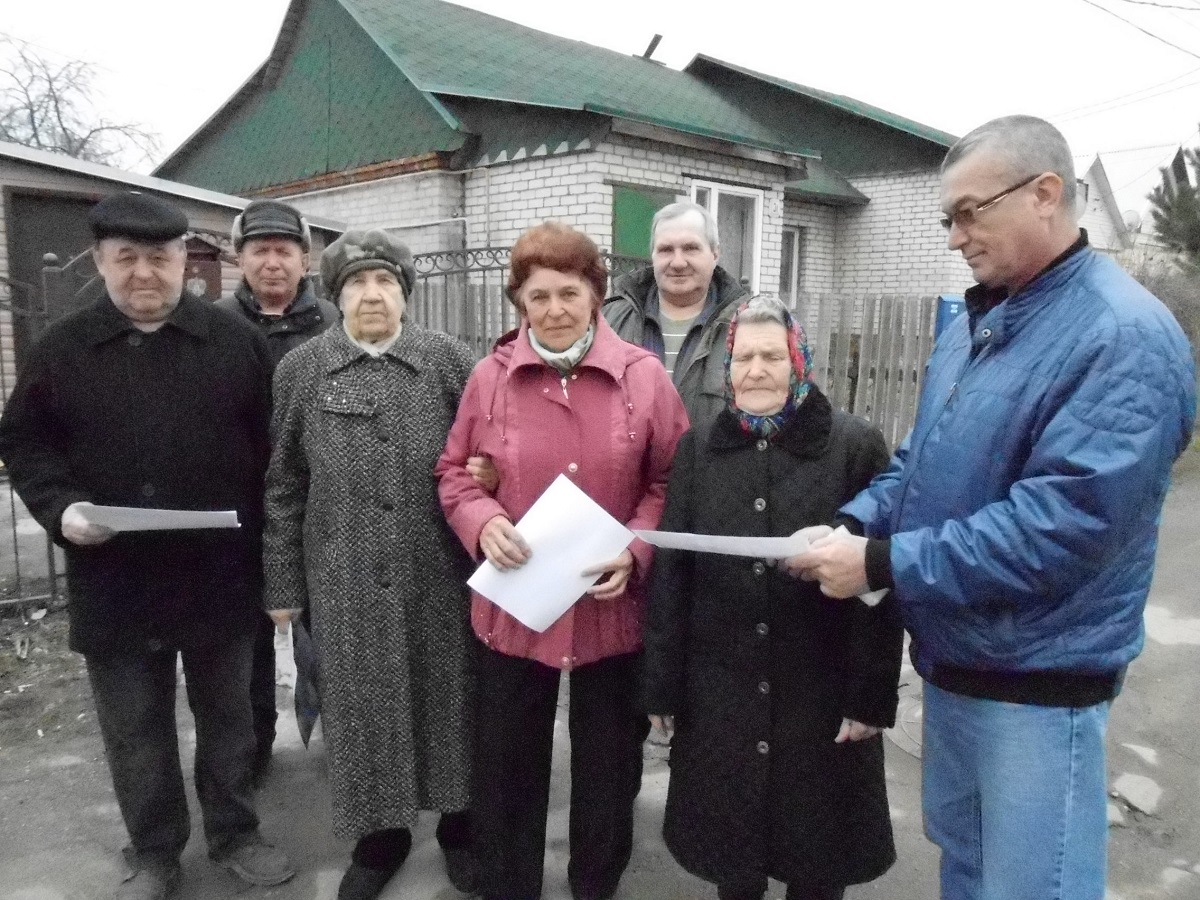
x: 633, y: 211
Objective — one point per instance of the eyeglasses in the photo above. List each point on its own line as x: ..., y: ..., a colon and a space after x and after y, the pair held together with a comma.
x: 965, y: 216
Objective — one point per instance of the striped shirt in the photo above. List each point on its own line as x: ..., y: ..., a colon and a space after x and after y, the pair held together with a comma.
x: 673, y: 333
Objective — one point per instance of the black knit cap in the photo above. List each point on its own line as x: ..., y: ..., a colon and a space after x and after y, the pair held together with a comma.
x: 270, y: 218
x: 138, y: 217
x: 357, y: 250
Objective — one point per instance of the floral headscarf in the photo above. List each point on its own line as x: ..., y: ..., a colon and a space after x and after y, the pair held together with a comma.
x: 800, y: 382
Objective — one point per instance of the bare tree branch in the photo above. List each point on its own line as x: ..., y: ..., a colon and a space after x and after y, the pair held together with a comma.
x: 50, y: 107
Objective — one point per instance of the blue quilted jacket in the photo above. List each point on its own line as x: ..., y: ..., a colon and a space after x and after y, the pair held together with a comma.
x: 1023, y: 507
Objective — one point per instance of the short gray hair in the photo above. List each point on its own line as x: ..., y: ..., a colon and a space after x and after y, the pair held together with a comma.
x: 1027, y: 144
x: 673, y: 211
x: 763, y: 308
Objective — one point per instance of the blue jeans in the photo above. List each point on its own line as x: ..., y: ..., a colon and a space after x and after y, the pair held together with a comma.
x: 1014, y: 795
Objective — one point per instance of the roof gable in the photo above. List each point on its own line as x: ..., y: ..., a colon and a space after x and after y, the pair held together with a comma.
x: 328, y: 99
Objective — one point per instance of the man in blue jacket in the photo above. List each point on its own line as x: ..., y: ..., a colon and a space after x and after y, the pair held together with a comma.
x: 1017, y: 523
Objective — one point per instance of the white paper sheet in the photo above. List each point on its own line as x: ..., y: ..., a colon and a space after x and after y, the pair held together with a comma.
x: 730, y: 545
x: 132, y: 518
x: 567, y: 532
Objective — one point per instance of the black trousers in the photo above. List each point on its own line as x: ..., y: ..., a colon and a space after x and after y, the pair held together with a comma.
x: 262, y: 685
x: 135, y: 705
x: 517, y: 701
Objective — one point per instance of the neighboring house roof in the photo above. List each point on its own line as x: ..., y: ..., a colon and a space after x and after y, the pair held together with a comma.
x: 361, y: 84
x: 132, y: 180
x: 1099, y: 188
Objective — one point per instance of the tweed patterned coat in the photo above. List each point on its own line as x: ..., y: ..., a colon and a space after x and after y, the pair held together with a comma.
x: 355, y: 534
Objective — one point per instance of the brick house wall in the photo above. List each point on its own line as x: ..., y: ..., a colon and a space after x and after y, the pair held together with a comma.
x: 895, y: 244
x: 424, y: 209
x: 502, y: 201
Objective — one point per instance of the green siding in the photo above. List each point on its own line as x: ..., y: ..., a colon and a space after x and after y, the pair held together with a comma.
x: 339, y: 103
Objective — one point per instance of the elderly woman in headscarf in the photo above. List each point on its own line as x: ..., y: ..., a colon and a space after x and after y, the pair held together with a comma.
x: 563, y: 395
x: 355, y: 535
x: 774, y: 693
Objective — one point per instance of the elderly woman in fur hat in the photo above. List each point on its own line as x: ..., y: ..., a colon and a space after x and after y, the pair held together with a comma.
x: 356, y: 536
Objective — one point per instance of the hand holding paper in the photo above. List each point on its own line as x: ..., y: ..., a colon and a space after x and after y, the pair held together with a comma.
x: 839, y: 562
x: 618, y: 571
x: 566, y: 532
x: 78, y: 530
x: 502, y: 544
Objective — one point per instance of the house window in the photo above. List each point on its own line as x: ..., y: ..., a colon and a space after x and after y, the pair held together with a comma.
x: 790, y: 272
x: 738, y: 212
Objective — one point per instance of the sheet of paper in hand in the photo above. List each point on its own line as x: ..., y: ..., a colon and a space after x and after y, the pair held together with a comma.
x: 133, y: 518
x: 730, y: 545
x: 567, y: 532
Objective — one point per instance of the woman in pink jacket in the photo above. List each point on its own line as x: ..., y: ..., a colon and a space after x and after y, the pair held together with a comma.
x: 563, y: 395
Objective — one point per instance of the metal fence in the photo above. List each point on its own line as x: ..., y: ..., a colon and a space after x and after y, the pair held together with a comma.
x: 30, y: 564
x: 461, y: 292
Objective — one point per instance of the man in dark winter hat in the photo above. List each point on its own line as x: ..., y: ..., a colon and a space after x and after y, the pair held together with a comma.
x: 276, y: 295
x: 151, y: 398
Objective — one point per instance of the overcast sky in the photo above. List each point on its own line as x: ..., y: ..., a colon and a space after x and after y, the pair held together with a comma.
x: 1112, y: 88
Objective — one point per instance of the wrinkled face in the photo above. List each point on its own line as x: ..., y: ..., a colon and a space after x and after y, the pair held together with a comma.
x: 558, y: 305
x: 273, y: 267
x: 760, y: 368
x: 372, y: 302
x: 683, y: 260
x: 1001, y: 242
x: 145, y: 281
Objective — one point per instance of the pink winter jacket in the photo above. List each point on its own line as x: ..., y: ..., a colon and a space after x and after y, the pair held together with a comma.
x: 611, y: 427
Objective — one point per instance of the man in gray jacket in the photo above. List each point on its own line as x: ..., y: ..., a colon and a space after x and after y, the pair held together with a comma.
x: 680, y: 306
x: 276, y: 295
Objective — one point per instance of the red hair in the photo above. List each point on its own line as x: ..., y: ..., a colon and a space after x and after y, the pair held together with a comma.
x: 553, y: 245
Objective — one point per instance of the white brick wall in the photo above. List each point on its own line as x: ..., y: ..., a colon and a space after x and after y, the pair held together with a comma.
x: 818, y: 248
x: 894, y: 244
x: 503, y: 201
x: 424, y: 209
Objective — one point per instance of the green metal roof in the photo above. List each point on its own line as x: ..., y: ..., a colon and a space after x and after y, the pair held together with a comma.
x: 847, y: 104
x: 355, y: 82
x: 450, y: 50
x: 854, y: 138
x: 512, y: 131
x: 825, y: 185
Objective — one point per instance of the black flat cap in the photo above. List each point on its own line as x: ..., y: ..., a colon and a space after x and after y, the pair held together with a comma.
x: 270, y: 218
x: 357, y: 250
x: 138, y: 217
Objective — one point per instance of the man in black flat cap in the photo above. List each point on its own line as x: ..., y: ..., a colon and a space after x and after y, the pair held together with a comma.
x: 273, y: 241
x: 152, y: 398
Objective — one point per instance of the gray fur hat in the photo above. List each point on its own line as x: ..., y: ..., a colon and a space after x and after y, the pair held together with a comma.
x: 357, y: 250
x: 270, y: 218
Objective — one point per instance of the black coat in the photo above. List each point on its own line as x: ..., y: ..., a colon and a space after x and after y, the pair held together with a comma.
x: 306, y: 317
x: 759, y: 669
x: 176, y: 418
